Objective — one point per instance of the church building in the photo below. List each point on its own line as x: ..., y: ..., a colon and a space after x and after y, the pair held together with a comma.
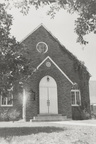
x: 59, y: 86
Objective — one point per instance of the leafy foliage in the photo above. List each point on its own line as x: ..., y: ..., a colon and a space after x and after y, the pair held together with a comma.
x: 86, y: 10
x: 14, y: 65
x: 13, y: 114
x: 7, y: 115
x: 4, y: 116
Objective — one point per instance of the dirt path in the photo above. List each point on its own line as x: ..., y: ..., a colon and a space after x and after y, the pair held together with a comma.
x: 42, y: 124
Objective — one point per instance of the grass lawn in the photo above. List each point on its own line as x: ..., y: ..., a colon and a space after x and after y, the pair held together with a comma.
x: 23, y: 131
x: 12, y: 135
x: 48, y: 135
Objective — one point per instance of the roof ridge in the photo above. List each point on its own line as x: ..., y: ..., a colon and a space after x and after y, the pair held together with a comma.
x: 31, y: 32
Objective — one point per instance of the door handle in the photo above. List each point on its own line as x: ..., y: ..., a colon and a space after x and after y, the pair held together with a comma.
x: 48, y: 102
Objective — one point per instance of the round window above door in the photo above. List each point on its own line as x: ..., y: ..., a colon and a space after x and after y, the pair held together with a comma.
x: 42, y: 47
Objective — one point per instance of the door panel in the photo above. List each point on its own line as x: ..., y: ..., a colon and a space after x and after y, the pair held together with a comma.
x: 53, y: 100
x: 43, y: 100
x: 48, y: 102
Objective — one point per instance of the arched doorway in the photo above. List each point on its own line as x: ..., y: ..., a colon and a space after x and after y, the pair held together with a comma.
x: 48, y: 102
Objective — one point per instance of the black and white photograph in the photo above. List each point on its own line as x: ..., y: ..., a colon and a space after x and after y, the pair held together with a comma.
x: 47, y: 71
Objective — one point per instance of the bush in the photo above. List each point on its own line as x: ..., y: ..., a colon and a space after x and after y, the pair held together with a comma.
x: 78, y: 113
x: 11, y: 115
x: 93, y: 111
x: 85, y: 115
x: 93, y: 115
x: 4, y: 115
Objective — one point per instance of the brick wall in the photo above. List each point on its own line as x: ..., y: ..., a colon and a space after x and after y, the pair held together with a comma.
x: 66, y: 61
x: 63, y: 87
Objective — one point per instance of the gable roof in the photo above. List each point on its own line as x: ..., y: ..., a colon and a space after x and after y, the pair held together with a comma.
x: 56, y: 67
x: 62, y: 46
x: 41, y: 25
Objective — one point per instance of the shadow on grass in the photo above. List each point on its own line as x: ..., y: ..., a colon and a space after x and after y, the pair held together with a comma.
x: 21, y: 131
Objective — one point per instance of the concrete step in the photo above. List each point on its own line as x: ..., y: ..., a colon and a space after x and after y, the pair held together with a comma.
x: 49, y: 117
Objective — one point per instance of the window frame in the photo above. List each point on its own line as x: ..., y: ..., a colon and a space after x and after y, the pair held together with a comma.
x: 76, y: 90
x: 7, y: 105
x: 37, y: 47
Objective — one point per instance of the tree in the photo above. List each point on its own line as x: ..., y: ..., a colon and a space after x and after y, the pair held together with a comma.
x: 86, y: 10
x: 14, y: 65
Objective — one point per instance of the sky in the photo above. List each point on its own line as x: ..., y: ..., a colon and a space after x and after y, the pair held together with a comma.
x: 62, y: 27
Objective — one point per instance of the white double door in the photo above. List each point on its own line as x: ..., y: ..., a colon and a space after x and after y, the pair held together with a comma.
x: 48, y: 103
